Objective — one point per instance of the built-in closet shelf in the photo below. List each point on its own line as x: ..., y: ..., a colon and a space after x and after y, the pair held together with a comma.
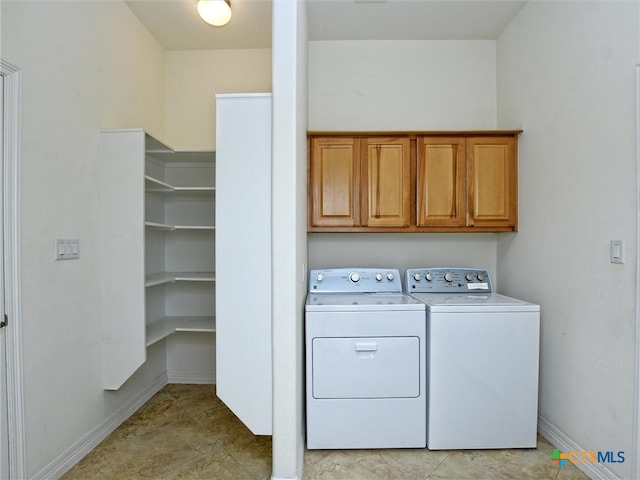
x: 167, y: 227
x: 170, y: 277
x: 168, y: 155
x: 158, y: 234
x: 153, y: 185
x: 166, y: 326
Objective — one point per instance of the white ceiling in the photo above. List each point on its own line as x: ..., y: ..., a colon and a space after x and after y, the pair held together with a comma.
x: 177, y: 26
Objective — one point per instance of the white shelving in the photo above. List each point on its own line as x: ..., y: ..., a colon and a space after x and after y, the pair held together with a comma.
x: 159, y: 277
x: 165, y: 326
x: 170, y: 277
x: 158, y: 186
x: 167, y: 227
x: 179, y: 226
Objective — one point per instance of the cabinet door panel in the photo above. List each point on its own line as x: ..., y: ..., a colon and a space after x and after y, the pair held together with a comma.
x: 334, y: 182
x: 243, y: 244
x: 441, y: 181
x: 492, y: 177
x: 386, y: 175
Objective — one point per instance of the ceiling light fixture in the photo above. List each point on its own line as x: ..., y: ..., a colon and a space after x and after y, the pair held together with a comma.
x: 215, y: 12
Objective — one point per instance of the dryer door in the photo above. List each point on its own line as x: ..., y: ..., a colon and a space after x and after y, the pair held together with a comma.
x: 366, y: 367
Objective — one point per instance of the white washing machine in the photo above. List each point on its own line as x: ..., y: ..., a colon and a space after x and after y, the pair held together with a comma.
x: 482, y: 361
x: 365, y: 361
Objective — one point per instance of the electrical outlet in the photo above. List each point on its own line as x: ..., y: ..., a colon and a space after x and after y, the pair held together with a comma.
x: 67, y: 248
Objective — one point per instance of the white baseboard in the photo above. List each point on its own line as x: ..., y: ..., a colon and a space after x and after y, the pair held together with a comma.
x: 63, y: 463
x: 206, y: 377
x: 565, y: 444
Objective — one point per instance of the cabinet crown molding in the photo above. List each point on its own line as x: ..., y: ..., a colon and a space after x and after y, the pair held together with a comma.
x: 410, y: 133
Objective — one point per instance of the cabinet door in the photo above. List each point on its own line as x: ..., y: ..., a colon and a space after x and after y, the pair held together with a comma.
x: 386, y: 182
x: 243, y: 250
x: 440, y: 189
x: 334, y: 182
x: 492, y: 181
x: 123, y: 253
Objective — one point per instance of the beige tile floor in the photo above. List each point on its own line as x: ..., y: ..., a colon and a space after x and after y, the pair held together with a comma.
x: 186, y: 432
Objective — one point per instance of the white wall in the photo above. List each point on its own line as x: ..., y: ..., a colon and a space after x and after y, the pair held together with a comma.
x: 85, y: 66
x: 191, y: 358
x: 193, y: 78
x: 402, y: 85
x: 572, y: 90
x: 403, y: 250
x: 288, y: 237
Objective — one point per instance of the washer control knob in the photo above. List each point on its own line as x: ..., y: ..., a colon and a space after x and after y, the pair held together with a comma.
x: 481, y: 277
x: 319, y: 277
x: 378, y: 277
x: 354, y: 277
x: 448, y: 277
x: 429, y: 277
x: 417, y: 277
x: 469, y: 277
x: 390, y: 277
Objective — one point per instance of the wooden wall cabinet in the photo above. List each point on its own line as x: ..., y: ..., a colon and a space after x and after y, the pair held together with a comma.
x: 492, y: 182
x: 334, y: 170
x: 359, y: 182
x: 413, y: 181
x: 466, y: 182
x: 386, y: 182
x: 441, y: 182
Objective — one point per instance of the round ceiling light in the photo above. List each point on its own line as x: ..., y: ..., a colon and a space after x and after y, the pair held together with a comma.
x: 215, y: 12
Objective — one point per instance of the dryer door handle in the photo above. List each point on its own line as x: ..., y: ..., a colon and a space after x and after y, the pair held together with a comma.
x: 366, y: 347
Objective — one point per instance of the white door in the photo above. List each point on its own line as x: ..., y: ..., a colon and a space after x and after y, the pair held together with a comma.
x: 12, y: 438
x: 4, y: 433
x: 243, y: 257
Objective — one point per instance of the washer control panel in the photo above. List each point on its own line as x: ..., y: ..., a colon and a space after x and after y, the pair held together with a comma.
x: 448, y: 279
x: 355, y: 280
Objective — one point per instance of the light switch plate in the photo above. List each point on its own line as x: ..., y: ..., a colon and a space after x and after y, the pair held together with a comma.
x: 617, y: 251
x: 67, y: 248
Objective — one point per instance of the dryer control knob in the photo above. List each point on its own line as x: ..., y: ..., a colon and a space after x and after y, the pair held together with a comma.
x: 354, y: 277
x: 417, y: 277
x: 378, y: 277
x: 429, y: 277
x: 481, y: 277
x: 319, y: 277
x: 390, y: 277
x: 448, y: 277
x: 469, y: 277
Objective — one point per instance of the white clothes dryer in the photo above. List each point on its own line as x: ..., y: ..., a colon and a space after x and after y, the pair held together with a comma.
x: 482, y: 361
x: 365, y: 361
